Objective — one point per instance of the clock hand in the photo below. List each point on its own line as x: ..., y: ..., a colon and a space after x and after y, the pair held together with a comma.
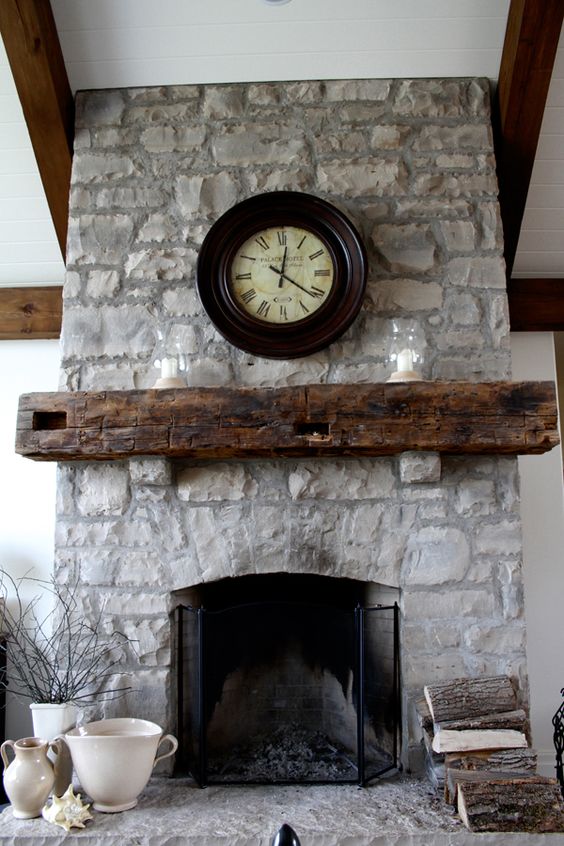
x: 283, y: 276
x: 280, y: 281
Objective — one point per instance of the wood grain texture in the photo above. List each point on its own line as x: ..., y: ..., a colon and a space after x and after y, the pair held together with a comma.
x: 514, y: 804
x: 34, y: 53
x: 536, y: 305
x: 30, y: 313
x: 313, y: 420
x: 529, y: 51
x: 470, y: 697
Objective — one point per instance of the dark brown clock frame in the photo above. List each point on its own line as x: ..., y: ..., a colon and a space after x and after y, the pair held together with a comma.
x: 282, y: 208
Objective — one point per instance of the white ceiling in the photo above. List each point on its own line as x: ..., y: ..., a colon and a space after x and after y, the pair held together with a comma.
x: 118, y: 43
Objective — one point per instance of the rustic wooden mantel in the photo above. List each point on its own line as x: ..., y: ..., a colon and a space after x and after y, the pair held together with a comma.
x: 313, y: 420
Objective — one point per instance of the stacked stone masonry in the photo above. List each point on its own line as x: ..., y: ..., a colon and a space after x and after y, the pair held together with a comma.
x: 411, y: 163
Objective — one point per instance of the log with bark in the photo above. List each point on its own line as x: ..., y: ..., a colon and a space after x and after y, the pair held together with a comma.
x: 533, y: 804
x: 516, y: 720
x: 469, y: 740
x: 454, y: 778
x: 468, y: 698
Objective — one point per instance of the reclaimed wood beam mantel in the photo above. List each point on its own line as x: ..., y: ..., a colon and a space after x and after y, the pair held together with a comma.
x: 312, y: 420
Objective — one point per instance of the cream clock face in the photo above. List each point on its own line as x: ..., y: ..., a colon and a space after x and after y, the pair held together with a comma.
x: 281, y: 275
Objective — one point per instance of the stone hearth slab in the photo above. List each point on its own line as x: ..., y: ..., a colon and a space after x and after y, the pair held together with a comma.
x: 173, y: 812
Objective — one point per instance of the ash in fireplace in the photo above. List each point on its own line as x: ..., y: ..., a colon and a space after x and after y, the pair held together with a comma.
x: 289, y: 754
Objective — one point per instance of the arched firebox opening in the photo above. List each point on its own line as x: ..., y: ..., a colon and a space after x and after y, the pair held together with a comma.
x: 286, y: 678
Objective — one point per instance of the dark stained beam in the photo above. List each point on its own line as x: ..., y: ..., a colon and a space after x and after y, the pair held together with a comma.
x: 529, y: 51
x: 32, y: 44
x: 536, y: 305
x: 30, y: 313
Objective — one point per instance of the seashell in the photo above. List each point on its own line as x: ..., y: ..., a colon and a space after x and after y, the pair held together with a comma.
x: 67, y: 810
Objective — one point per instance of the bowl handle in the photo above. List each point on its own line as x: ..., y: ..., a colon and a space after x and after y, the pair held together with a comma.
x: 174, y: 746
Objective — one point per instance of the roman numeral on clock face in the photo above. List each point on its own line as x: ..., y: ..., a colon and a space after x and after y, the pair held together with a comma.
x: 321, y: 273
x: 282, y: 239
x: 262, y: 242
x: 316, y: 255
x: 263, y: 309
x: 249, y: 295
x: 316, y: 292
x: 283, y: 313
x: 243, y: 276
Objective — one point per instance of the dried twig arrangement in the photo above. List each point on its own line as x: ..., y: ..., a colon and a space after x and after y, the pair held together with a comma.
x: 62, y: 657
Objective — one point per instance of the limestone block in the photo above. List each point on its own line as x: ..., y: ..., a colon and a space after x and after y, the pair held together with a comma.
x: 502, y: 538
x: 478, y: 97
x: 452, y: 604
x: 141, y: 567
x: 264, y: 94
x: 385, y: 137
x: 218, y: 481
x: 102, y: 489
x: 161, y: 113
x: 297, y: 371
x: 95, y: 533
x: 406, y: 248
x: 223, y: 101
x: 163, y: 264
x: 408, y: 294
x: 150, y: 471
x: 464, y: 309
x: 460, y: 338
x: 179, y: 92
x: 455, y: 138
x: 72, y: 285
x: 418, y: 669
x: 99, y: 108
x: 452, y: 186
x: 357, y: 89
x: 181, y: 302
x: 477, y: 272
x: 152, y: 638
x: 499, y: 640
x: 107, y: 331
x: 90, y: 168
x: 366, y: 372
x: 490, y: 228
x: 276, y: 143
x: 171, y: 139
x: 148, y: 696
x: 100, y: 238
x: 208, y: 539
x: 356, y: 113
x: 429, y: 98
x: 206, y: 195
x: 102, y: 283
x: 346, y: 142
x: 459, y: 235
x: 456, y: 161
x: 126, y: 197
x: 358, y: 178
x: 353, y: 479
x: 475, y: 497
x: 432, y: 638
x: 117, y: 376
x: 159, y: 227
x: 137, y: 603
x: 436, y: 555
x: 286, y: 179
x: 113, y: 136
x: 498, y: 319
x: 207, y: 372
x: 433, y: 207
x: 65, y: 474
x: 508, y: 483
x: 416, y: 467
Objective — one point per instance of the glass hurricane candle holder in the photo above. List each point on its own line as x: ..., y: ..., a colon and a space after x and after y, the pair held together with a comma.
x: 405, y: 355
x: 171, y: 362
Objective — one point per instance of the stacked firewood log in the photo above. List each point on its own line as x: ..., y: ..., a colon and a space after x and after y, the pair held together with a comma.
x: 477, y: 750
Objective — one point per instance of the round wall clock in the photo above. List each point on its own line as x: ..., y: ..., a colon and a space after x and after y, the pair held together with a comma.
x: 282, y: 274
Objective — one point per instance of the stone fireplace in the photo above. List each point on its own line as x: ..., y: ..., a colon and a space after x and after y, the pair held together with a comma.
x: 411, y: 163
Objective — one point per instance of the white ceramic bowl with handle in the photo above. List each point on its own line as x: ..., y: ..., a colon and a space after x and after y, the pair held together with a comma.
x: 114, y: 759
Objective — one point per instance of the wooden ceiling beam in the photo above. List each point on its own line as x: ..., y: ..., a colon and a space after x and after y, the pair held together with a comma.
x: 536, y: 305
x: 34, y: 53
x: 529, y: 51
x: 30, y: 313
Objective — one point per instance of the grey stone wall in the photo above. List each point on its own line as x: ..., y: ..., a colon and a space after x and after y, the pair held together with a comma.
x: 411, y: 163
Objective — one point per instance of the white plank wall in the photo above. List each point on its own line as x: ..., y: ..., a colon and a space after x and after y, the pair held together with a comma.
x: 141, y: 42
x: 540, y: 252
x: 29, y: 252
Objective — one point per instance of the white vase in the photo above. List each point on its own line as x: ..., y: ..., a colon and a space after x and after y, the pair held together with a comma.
x: 29, y: 777
x: 50, y: 720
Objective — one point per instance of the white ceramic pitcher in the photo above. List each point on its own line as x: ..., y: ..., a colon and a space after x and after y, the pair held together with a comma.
x: 30, y: 776
x: 113, y: 759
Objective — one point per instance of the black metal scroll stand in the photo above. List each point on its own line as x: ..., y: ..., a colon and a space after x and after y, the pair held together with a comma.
x: 558, y: 723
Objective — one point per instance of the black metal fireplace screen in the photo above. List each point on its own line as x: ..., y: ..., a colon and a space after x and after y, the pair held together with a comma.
x: 286, y: 692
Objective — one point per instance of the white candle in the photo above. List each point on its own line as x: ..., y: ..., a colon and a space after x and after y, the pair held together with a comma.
x: 405, y: 360
x: 169, y: 368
